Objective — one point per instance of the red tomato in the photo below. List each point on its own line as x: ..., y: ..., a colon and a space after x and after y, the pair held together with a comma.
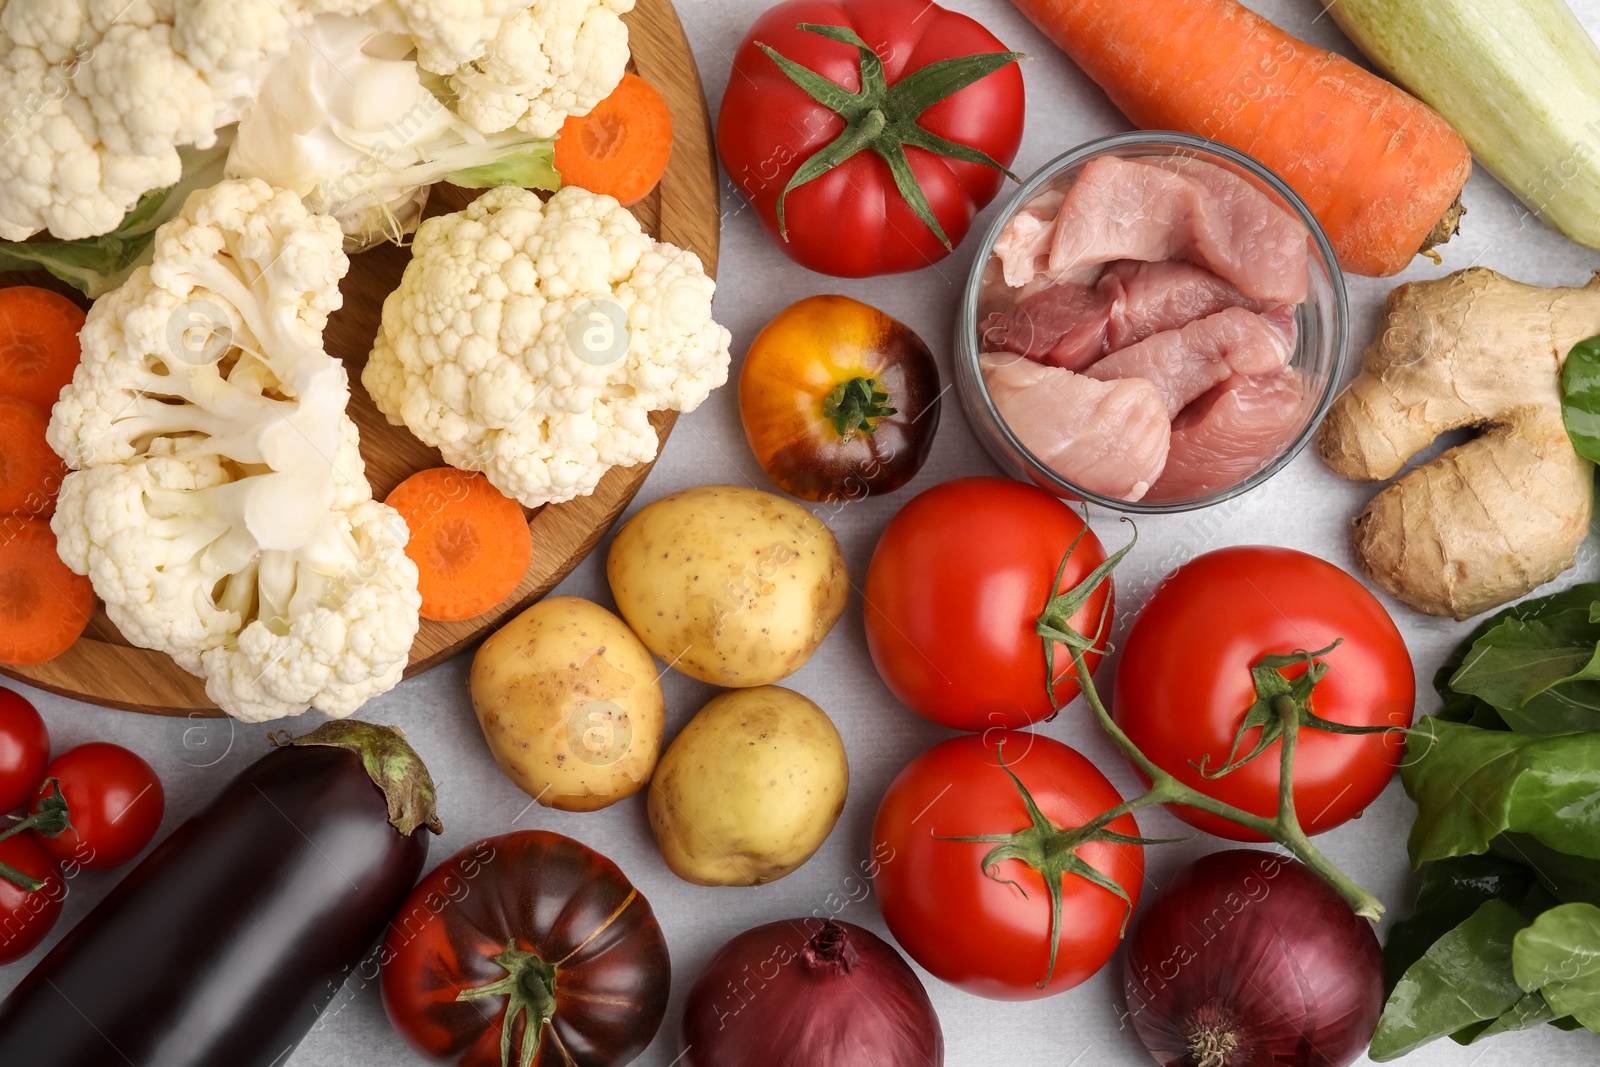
x: 852, y: 221
x: 1183, y: 684
x: 976, y: 931
x: 24, y: 750
x: 114, y: 801
x: 954, y: 591
x: 25, y: 918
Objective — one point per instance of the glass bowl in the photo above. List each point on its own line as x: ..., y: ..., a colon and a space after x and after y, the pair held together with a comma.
x: 1323, y: 320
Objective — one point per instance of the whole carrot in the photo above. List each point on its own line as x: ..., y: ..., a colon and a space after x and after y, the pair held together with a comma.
x: 1380, y: 169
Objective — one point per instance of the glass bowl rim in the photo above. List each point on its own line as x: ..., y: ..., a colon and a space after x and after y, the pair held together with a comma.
x: 968, y: 349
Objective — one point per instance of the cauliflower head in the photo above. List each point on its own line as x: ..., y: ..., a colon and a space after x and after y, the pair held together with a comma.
x: 97, y: 96
x: 531, y: 341
x: 218, y: 501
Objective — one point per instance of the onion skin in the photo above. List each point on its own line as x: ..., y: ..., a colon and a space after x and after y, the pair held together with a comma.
x: 1248, y: 959
x: 810, y: 993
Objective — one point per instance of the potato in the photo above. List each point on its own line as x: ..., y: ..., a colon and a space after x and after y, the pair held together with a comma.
x: 729, y: 585
x: 750, y: 789
x: 570, y: 703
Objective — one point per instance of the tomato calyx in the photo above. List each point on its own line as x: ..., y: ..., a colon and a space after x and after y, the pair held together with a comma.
x: 856, y: 405
x: 1277, y: 700
x: 1054, y: 625
x: 530, y: 991
x: 1053, y: 853
x: 49, y: 818
x: 883, y: 118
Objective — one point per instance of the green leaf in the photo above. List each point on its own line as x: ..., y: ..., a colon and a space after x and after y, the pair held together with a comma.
x: 1451, y: 891
x: 1580, y: 397
x: 1562, y: 706
x: 1471, y: 785
x: 1465, y: 977
x: 1525, y: 1014
x: 1559, y: 956
x: 1569, y: 879
x: 1522, y: 659
x: 531, y: 168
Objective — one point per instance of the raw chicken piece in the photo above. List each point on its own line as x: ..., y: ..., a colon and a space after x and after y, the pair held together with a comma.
x: 1071, y: 325
x: 1108, y: 437
x: 1024, y: 245
x: 1230, y: 433
x: 1181, y: 209
x: 1164, y: 296
x: 1185, y: 363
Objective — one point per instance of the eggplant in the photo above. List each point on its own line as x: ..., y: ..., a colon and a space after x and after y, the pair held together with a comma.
x: 224, y: 945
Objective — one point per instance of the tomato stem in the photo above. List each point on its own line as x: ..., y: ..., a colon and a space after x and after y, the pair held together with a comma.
x: 48, y: 819
x: 1277, y: 699
x: 20, y: 880
x: 1053, y: 852
x: 882, y: 118
x: 1284, y: 828
x: 529, y: 987
x: 856, y: 405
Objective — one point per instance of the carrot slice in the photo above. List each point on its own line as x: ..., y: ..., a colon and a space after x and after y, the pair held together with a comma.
x: 469, y: 541
x: 44, y: 607
x: 30, y: 473
x: 38, y: 343
x: 621, y: 147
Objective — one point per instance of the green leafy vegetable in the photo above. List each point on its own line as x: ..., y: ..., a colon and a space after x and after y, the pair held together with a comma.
x: 1559, y: 956
x: 1451, y: 891
x: 1570, y: 879
x: 1465, y: 977
x: 1532, y: 667
x: 1580, y: 397
x: 1471, y: 785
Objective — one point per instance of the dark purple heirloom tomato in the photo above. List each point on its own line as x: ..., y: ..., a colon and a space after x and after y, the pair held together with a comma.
x: 527, y: 937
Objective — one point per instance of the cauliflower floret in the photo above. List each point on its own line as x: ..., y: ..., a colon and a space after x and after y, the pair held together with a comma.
x: 219, y: 504
x: 97, y: 96
x: 557, y: 58
x: 532, y: 341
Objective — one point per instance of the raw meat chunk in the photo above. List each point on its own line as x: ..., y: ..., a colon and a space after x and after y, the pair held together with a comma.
x: 1181, y: 208
x: 1024, y: 245
x: 1072, y: 325
x: 1108, y: 437
x: 1184, y: 363
x: 1230, y: 433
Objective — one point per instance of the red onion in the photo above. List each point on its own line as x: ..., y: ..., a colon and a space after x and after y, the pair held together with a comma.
x: 1248, y: 959
x: 810, y: 993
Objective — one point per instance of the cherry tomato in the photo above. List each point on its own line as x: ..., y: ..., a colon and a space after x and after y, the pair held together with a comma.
x: 114, y: 801
x: 955, y: 590
x: 26, y: 917
x: 839, y: 400
x: 1184, y: 686
x: 974, y: 928
x: 852, y: 220
x: 24, y: 750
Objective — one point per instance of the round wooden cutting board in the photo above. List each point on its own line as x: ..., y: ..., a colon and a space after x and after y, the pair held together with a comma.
x: 102, y: 668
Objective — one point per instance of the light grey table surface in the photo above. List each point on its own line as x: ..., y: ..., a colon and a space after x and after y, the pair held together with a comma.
x: 1304, y: 507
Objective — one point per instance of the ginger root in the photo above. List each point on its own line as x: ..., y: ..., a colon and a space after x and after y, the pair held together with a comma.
x: 1490, y: 520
